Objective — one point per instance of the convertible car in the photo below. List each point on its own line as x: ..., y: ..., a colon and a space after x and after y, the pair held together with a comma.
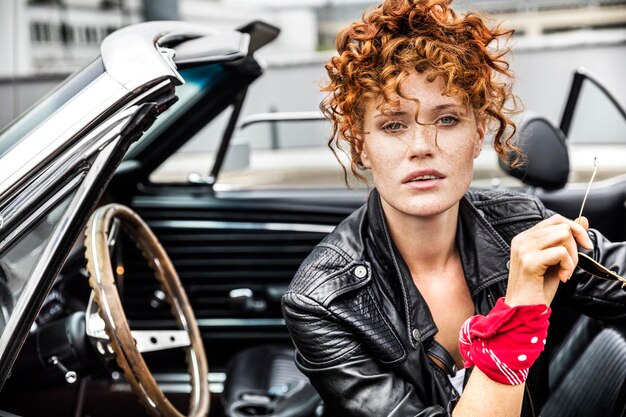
x: 123, y: 292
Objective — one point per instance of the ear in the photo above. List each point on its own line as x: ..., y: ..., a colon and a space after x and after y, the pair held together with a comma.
x: 480, y: 135
x: 365, y: 159
x: 360, y: 149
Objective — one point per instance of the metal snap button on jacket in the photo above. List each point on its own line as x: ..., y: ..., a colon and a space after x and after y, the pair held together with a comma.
x: 360, y: 271
x: 416, y: 335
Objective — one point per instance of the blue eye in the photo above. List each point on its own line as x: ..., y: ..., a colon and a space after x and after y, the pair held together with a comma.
x: 392, y: 127
x: 448, y: 120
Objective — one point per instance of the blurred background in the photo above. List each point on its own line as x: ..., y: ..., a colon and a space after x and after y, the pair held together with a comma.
x: 45, y: 40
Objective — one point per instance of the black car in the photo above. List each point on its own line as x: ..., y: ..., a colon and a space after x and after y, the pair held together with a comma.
x: 79, y: 270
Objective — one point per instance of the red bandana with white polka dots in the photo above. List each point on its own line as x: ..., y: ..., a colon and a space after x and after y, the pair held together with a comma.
x: 505, y: 343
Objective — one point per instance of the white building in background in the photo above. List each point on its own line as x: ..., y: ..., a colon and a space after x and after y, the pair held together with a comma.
x: 58, y: 36
x: 296, y: 19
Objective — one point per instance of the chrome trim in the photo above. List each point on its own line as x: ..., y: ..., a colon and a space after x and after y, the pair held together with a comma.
x: 68, y: 161
x: 59, y: 231
x: 37, y: 215
x: 220, y: 323
x: 604, y: 184
x: 178, y: 383
x: 94, y: 329
x: 212, y: 224
x: 57, y: 131
x: 14, y: 208
x: 302, y: 116
x: 140, y: 99
x: 221, y: 47
x: 184, y: 377
x: 204, y: 323
x: 77, y: 154
x: 64, y: 126
x: 131, y: 55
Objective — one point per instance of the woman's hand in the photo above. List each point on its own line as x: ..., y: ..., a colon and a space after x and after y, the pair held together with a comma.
x: 542, y: 256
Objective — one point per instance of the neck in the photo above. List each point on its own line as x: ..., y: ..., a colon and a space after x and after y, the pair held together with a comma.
x: 427, y: 244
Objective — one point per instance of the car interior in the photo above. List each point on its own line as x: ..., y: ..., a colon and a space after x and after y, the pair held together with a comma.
x: 587, y: 370
x: 235, y: 252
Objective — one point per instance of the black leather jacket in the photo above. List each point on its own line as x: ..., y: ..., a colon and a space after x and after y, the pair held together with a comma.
x: 364, y: 334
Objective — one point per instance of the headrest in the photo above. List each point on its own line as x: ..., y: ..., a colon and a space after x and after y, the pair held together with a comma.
x: 546, y: 163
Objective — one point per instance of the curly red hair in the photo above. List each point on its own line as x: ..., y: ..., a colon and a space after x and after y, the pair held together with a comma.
x: 378, y: 52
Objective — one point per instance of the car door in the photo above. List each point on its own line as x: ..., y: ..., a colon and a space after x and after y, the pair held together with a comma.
x: 58, y: 157
x: 235, y: 247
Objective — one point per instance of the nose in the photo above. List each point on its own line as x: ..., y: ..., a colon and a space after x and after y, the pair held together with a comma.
x: 423, y: 141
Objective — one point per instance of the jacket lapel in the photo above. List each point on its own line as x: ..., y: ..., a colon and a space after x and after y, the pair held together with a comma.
x: 484, y: 255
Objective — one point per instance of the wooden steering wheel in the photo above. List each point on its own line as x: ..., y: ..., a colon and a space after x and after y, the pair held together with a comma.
x: 126, y: 344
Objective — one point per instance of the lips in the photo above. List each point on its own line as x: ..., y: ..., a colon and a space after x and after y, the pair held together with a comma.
x: 423, y: 175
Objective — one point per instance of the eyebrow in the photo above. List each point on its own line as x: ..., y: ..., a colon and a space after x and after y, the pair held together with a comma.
x: 403, y: 113
x: 445, y: 106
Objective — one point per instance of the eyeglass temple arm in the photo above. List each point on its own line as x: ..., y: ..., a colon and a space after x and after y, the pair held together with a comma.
x: 593, y: 267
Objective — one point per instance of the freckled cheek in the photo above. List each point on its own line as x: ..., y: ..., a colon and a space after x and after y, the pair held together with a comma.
x: 383, y: 171
x: 465, y: 173
x: 457, y: 141
x: 385, y: 155
x: 382, y: 174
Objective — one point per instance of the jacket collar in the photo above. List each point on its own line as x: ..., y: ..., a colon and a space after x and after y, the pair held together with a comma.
x: 484, y: 255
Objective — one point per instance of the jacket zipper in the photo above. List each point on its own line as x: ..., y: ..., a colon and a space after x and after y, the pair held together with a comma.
x: 490, y: 299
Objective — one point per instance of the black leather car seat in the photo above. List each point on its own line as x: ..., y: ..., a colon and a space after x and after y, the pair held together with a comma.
x: 545, y: 155
x: 264, y: 381
x: 588, y: 374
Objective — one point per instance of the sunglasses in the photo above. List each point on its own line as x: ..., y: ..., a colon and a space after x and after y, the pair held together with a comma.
x: 587, y: 263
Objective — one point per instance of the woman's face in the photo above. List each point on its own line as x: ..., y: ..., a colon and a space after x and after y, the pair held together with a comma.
x: 413, y: 173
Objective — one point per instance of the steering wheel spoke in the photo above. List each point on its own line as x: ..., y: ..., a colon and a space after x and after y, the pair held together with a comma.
x: 155, y: 340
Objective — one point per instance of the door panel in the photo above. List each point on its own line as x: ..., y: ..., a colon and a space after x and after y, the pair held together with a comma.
x: 236, y: 255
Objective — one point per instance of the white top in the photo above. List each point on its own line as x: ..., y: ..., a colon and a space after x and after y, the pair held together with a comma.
x: 457, y: 380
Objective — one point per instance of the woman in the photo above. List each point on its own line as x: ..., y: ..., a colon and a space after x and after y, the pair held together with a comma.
x: 376, y: 310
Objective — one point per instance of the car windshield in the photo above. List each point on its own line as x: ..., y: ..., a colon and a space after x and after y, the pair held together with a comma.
x: 262, y: 154
x: 47, y: 106
x: 19, y: 260
x: 198, y: 82
x: 283, y: 153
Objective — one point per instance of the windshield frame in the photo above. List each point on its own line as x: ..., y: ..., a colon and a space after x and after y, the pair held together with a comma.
x: 20, y: 128
x: 165, y: 139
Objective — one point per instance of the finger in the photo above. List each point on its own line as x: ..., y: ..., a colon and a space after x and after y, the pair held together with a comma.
x: 554, y: 219
x: 572, y: 250
x: 549, y: 236
x: 558, y: 235
x: 560, y: 256
x: 556, y: 256
x: 578, y: 231
x: 583, y: 221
